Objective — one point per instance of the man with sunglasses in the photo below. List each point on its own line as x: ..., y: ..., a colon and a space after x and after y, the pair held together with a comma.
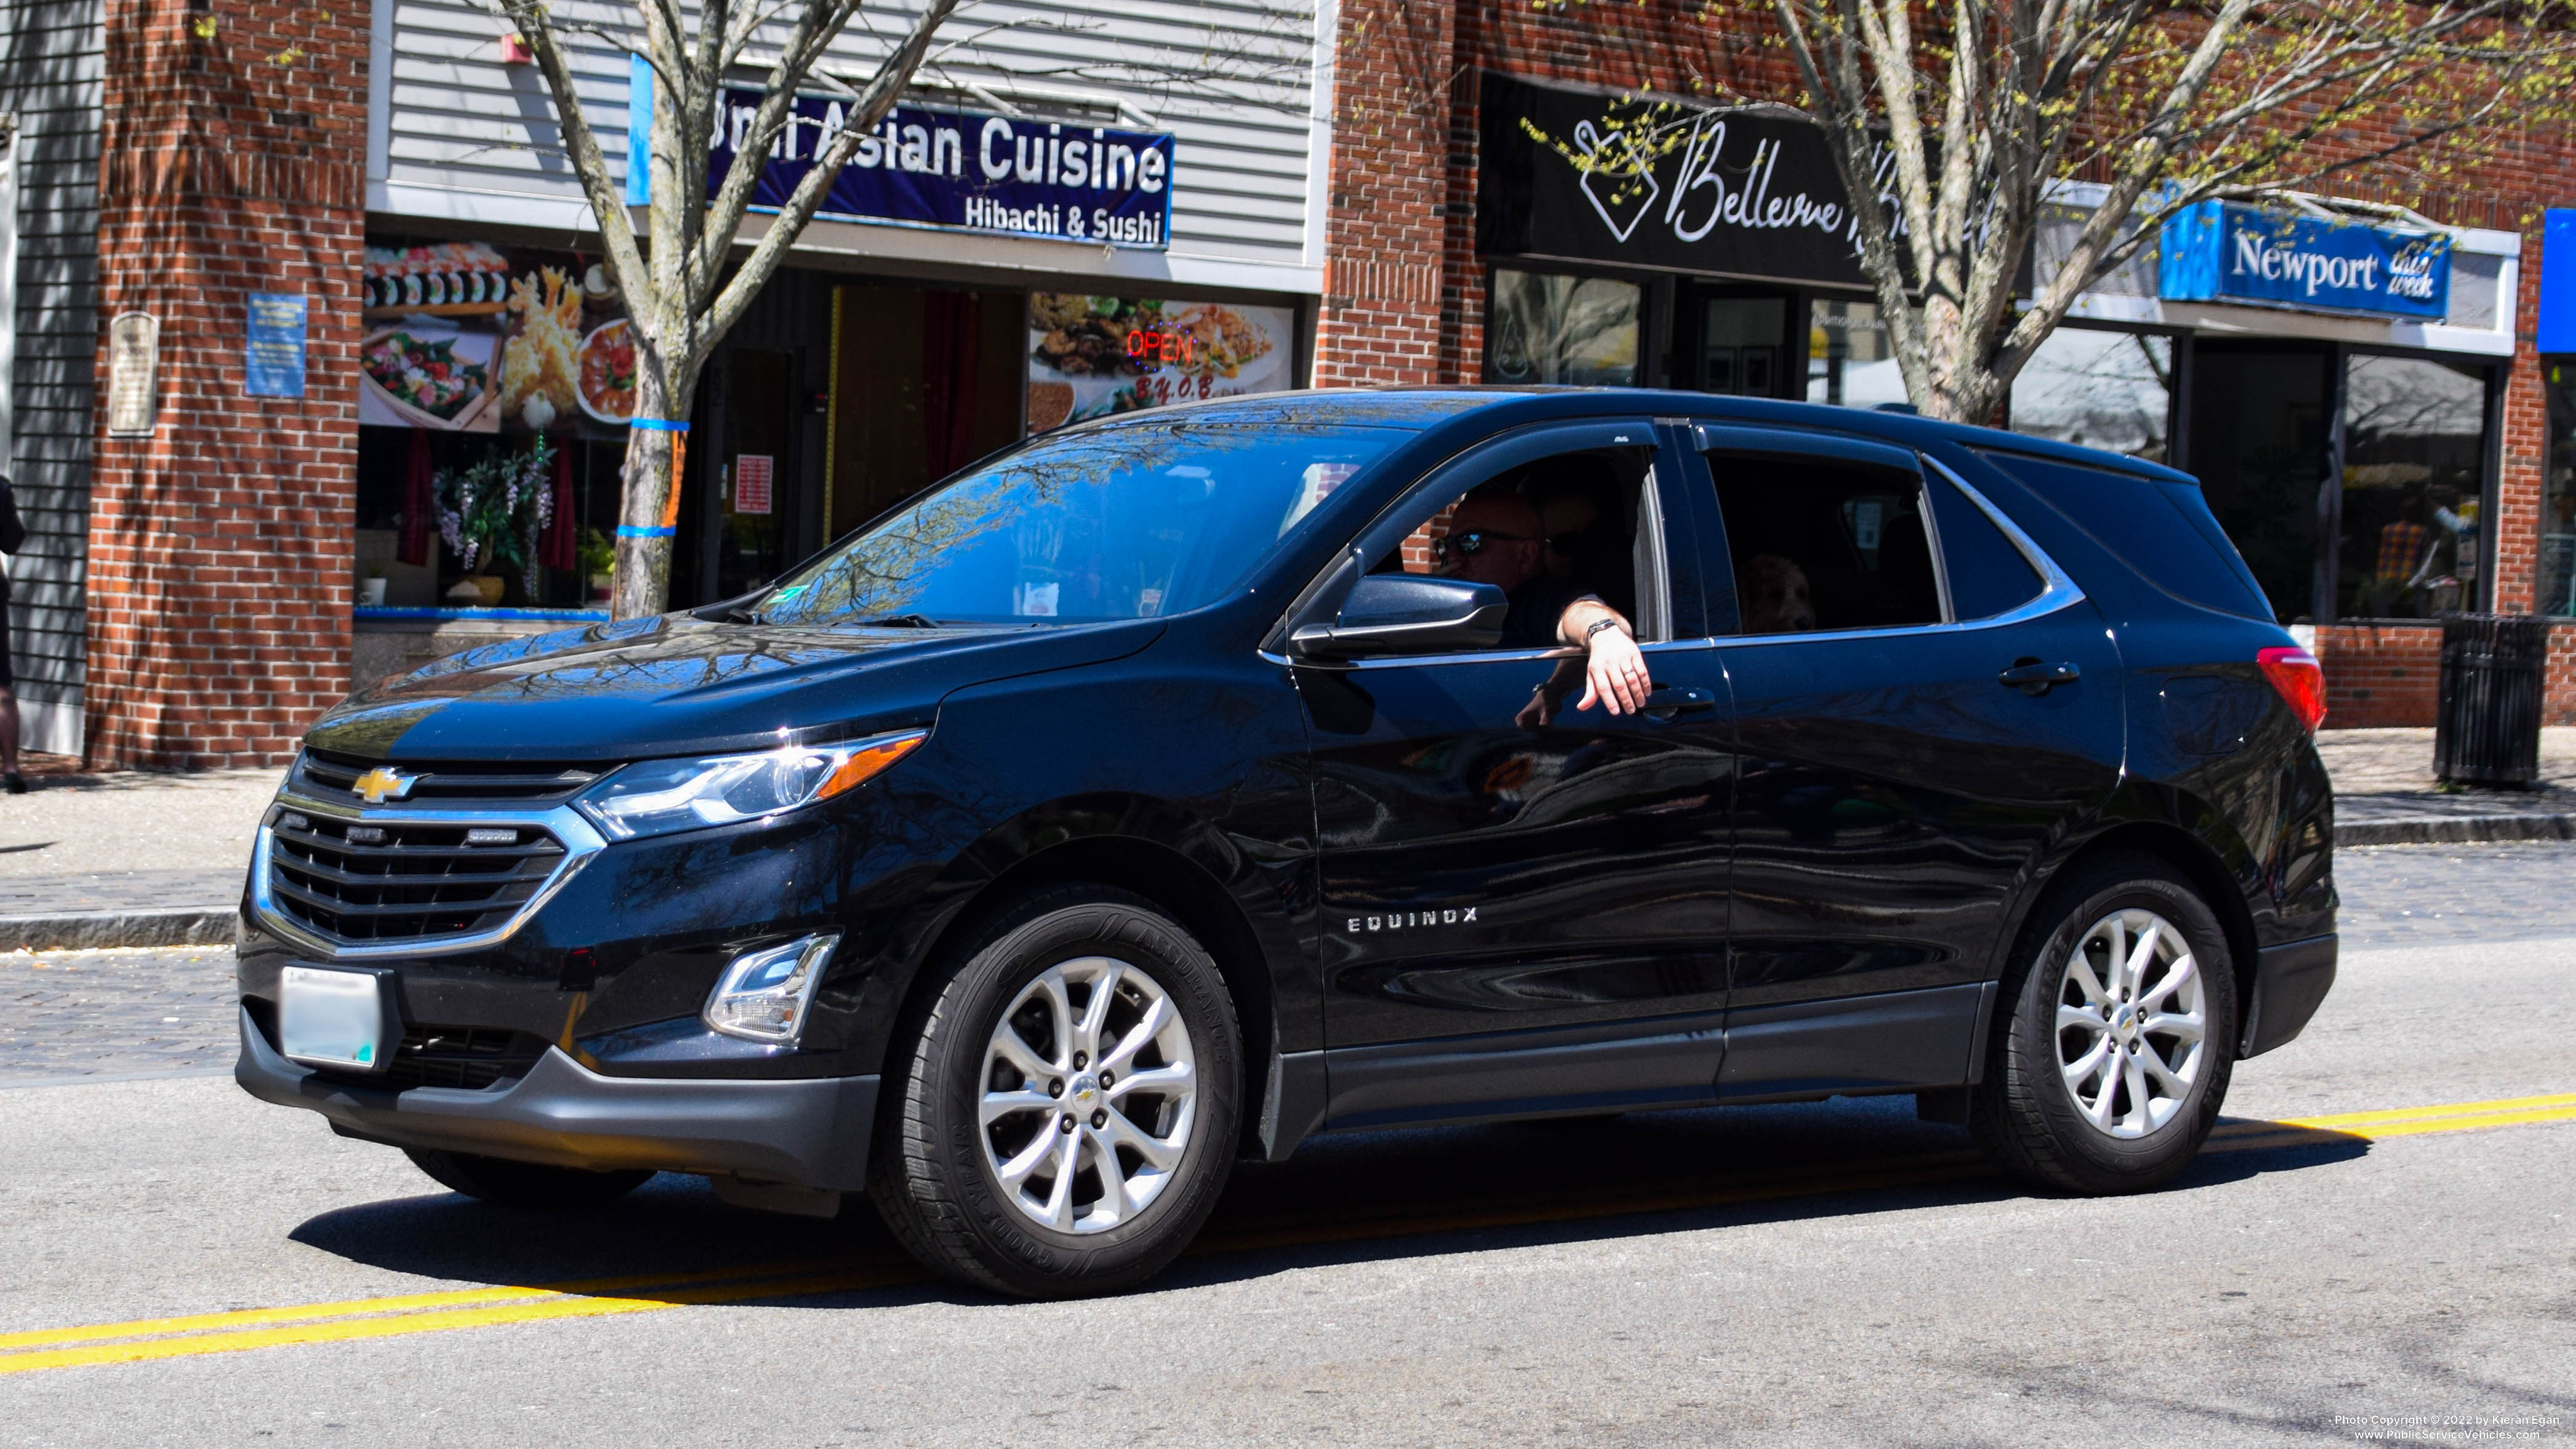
x: 1495, y: 539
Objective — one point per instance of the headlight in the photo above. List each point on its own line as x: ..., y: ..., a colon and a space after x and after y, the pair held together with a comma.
x: 657, y: 797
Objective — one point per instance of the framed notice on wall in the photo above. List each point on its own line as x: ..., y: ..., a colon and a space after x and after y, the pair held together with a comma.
x: 133, y: 367
x: 273, y: 349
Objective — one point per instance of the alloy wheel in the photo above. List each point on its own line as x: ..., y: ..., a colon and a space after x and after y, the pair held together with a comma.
x: 1090, y: 1087
x: 2132, y: 1023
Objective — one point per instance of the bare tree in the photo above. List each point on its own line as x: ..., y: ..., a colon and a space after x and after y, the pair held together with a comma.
x: 1984, y: 106
x: 684, y: 288
x: 684, y: 283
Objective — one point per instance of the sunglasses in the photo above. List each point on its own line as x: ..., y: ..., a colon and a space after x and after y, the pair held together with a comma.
x: 1473, y: 542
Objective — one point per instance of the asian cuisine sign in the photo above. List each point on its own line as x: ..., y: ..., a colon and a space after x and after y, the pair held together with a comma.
x: 1092, y: 356
x: 967, y: 171
x: 463, y: 337
x: 2223, y: 251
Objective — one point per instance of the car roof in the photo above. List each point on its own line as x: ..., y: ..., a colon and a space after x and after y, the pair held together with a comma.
x: 1486, y: 407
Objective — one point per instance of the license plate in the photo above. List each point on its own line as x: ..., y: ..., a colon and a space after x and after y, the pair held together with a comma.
x: 332, y: 1018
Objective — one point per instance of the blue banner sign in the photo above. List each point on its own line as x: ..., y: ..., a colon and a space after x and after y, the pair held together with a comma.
x: 273, y: 350
x: 2558, y: 281
x: 2224, y: 251
x: 966, y: 171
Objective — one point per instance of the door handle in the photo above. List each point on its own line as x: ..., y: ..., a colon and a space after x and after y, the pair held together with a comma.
x: 1669, y: 702
x: 2035, y: 679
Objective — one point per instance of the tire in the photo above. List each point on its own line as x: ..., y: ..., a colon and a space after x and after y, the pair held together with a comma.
x: 2100, y: 1101
x: 524, y: 1184
x: 989, y: 1204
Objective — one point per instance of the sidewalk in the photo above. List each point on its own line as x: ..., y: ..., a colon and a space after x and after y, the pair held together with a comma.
x: 125, y: 858
x: 136, y: 859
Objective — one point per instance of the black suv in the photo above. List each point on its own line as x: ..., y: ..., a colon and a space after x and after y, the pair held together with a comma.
x: 1171, y: 788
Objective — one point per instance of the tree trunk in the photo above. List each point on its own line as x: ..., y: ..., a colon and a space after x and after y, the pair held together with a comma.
x: 650, y: 505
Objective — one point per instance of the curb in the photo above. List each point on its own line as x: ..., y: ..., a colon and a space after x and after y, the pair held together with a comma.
x: 96, y: 930
x: 2454, y: 829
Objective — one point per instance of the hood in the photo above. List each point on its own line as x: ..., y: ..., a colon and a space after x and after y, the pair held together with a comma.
x: 680, y: 685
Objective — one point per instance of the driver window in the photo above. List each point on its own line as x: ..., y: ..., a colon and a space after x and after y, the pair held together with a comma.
x: 1549, y: 532
x: 1818, y: 543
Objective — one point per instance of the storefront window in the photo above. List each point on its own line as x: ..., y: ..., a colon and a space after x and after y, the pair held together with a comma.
x: 1849, y: 362
x: 2558, y: 496
x: 1092, y: 356
x: 1550, y: 329
x: 2108, y: 390
x: 475, y: 359
x: 2413, y: 468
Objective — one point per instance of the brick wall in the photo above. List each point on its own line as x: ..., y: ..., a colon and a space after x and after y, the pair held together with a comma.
x: 2380, y: 674
x: 220, y: 548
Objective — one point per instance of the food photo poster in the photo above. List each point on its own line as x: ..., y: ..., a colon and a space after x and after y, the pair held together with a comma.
x: 1091, y: 356
x: 472, y: 338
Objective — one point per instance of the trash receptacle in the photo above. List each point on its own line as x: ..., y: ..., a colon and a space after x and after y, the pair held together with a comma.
x: 2488, y: 728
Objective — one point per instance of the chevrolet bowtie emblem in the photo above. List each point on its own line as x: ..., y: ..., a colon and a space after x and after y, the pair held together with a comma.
x: 382, y: 783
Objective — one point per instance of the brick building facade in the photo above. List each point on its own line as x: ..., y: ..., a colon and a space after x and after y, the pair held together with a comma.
x: 187, y: 599
x: 219, y: 544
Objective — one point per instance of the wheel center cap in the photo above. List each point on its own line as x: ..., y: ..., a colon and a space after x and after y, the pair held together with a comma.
x: 1085, y: 1090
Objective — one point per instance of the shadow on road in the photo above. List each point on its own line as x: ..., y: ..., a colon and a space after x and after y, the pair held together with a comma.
x: 1341, y: 1199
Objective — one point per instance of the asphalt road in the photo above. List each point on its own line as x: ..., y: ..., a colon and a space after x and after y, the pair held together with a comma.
x: 184, y: 1266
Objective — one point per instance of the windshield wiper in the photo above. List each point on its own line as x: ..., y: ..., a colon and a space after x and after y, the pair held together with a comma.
x: 899, y: 621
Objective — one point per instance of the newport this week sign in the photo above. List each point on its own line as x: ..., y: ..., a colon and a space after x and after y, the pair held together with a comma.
x: 2225, y: 251
x: 969, y: 171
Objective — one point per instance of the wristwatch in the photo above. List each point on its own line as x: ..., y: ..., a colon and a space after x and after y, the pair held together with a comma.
x: 1596, y: 627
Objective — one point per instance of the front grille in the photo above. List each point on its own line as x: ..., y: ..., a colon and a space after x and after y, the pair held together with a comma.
x: 472, y: 1057
x: 320, y: 776
x: 362, y: 880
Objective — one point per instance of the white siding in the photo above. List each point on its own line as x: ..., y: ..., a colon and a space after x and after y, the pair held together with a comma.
x: 1232, y: 82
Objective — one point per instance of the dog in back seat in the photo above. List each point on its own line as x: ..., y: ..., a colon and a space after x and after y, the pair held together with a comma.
x: 1775, y: 596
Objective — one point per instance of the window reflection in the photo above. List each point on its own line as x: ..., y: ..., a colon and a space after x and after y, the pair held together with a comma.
x: 2558, y: 497
x: 2414, y: 459
x: 1849, y: 361
x: 2108, y: 390
x: 1124, y: 522
x: 1549, y: 329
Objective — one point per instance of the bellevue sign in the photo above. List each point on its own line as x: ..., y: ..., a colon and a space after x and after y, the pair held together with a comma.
x: 2225, y: 251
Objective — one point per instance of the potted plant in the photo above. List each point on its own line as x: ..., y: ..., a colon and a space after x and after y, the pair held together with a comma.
x: 597, y: 558
x: 491, y: 512
x: 371, y: 589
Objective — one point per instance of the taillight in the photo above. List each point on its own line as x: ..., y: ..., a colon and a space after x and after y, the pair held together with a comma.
x: 2300, y: 681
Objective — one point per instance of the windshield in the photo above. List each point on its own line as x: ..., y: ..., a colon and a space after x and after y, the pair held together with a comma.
x: 1127, y: 522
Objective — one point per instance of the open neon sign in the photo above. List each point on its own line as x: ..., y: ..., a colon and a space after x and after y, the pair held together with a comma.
x: 1154, y: 348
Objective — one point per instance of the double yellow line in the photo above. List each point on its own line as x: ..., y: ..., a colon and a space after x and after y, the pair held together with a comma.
x: 388, y: 1317
x: 153, y: 1338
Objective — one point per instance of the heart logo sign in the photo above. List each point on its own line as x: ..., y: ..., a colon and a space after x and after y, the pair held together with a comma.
x: 1618, y: 181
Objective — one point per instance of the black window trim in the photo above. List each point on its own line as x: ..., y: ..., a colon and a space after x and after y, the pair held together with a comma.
x: 2058, y: 591
x: 1371, y: 538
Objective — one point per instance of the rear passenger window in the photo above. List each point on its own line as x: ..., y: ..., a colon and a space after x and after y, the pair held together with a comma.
x: 2162, y: 530
x: 1821, y: 543
x: 1987, y: 575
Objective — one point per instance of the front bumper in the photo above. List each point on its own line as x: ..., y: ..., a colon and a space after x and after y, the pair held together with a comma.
x: 810, y: 1132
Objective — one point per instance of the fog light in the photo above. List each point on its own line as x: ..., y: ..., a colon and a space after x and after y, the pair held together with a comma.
x: 762, y: 996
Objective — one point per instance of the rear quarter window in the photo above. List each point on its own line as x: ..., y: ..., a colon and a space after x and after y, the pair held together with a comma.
x: 2162, y: 530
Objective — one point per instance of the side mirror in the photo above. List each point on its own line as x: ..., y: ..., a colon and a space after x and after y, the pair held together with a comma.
x: 1406, y: 614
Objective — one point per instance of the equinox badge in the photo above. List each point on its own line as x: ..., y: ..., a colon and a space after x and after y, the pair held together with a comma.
x: 1406, y: 920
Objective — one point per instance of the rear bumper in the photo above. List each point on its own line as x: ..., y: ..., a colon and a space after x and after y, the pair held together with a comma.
x: 2290, y: 980
x: 811, y: 1132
